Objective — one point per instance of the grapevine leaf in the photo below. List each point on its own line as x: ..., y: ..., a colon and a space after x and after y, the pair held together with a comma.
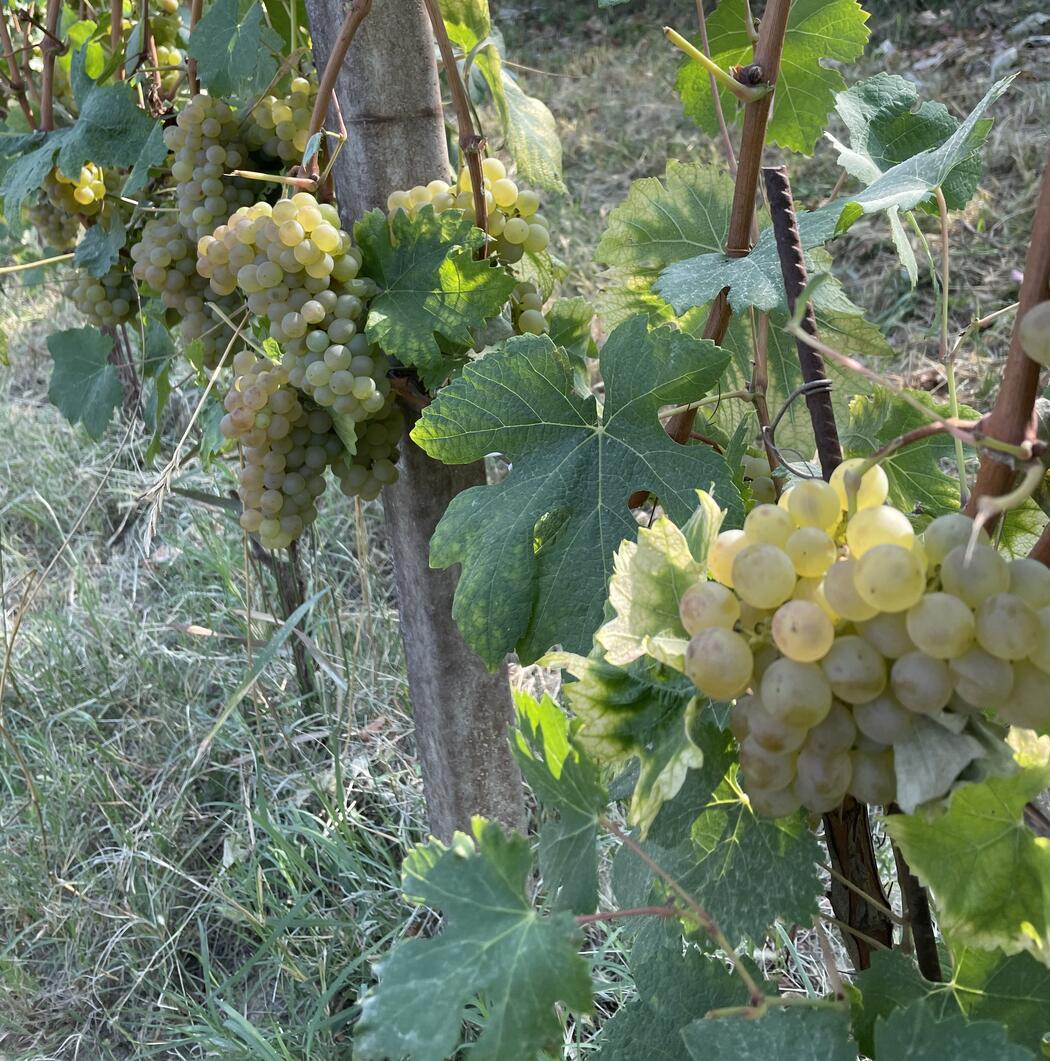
x: 99, y: 249
x: 929, y: 760
x: 33, y: 159
x: 570, y: 328
x: 1021, y: 528
x: 892, y: 982
x: 1013, y: 990
x: 756, y: 279
x: 649, y: 578
x: 886, y: 128
x: 493, y: 944
x: 919, y: 1034
x: 84, y: 386
x: 236, y: 55
x: 989, y: 873
x: 918, y: 482
x: 703, y: 525
x: 567, y: 785
x: 467, y: 21
x: 805, y: 91
x: 153, y: 412
x: 154, y: 152
x: 430, y: 287
x: 572, y: 473
x: 799, y: 1034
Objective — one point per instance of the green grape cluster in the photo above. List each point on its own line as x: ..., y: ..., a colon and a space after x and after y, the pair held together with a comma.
x: 512, y: 217
x: 108, y: 300
x: 165, y: 24
x: 833, y: 634
x: 206, y: 146
x: 280, y: 125
x: 374, y: 465
x: 526, y: 308
x: 82, y: 194
x: 757, y: 473
x: 56, y: 229
x: 286, y: 445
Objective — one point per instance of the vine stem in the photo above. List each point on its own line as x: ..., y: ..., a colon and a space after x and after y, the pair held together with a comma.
x: 23, y: 266
x: 634, y: 911
x: 14, y: 78
x: 471, y: 142
x: 716, y: 99
x: 745, y: 93
x: 49, y: 47
x: 326, y: 87
x: 705, y: 920
x: 917, y: 911
x: 196, y: 6
x: 1012, y: 418
x: 116, y: 31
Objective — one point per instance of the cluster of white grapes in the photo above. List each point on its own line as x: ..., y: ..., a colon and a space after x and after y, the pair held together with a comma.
x: 82, y: 194
x: 526, y: 309
x: 206, y: 145
x: 280, y: 125
x: 287, y: 442
x: 757, y: 473
x: 512, y: 217
x: 55, y: 229
x: 108, y: 300
x: 833, y: 634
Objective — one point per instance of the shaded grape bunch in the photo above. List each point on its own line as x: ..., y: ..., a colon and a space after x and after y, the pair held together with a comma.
x: 55, y: 229
x: 374, y: 465
x: 280, y: 125
x: 108, y: 300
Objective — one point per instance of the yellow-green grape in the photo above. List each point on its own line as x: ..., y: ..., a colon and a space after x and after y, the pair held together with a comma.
x: 773, y: 803
x: 768, y: 524
x: 1007, y: 627
x: 723, y: 552
x: 973, y: 574
x: 169, y: 60
x: 796, y: 694
x: 888, y: 633
x: 1030, y: 580
x: 740, y: 715
x: 921, y: 683
x: 814, y: 503
x: 771, y: 733
x: 754, y: 467
x: 834, y: 734
x: 802, y: 631
x: 763, y: 490
x: 854, y: 670
x: 941, y: 625
x: 840, y: 591
x: 280, y: 126
x: 1034, y: 333
x: 765, y: 769
x: 82, y: 194
x: 708, y: 604
x: 1027, y: 705
x: 821, y: 782
x: 981, y: 678
x: 812, y: 551
x: 872, y: 777
x: 1040, y: 655
x: 812, y: 589
x: 946, y: 532
x: 883, y: 719
x: 889, y: 578
x: 873, y: 488
x: 526, y: 305
x: 763, y: 575
x: 881, y: 525
x: 106, y: 301
x: 719, y: 663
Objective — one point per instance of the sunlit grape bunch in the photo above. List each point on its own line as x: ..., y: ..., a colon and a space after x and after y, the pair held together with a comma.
x: 280, y: 125
x: 55, y: 229
x: 108, y: 300
x: 82, y: 194
x: 833, y: 634
x: 286, y: 444
x: 526, y: 307
x: 512, y: 219
x: 206, y: 145
x: 169, y: 59
x: 374, y: 465
x: 757, y: 474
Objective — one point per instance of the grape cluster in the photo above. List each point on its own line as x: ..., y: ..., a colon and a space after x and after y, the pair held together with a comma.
x: 205, y: 142
x: 280, y: 126
x: 82, y: 194
x: 374, y: 465
x: 526, y: 308
x: 108, y: 300
x: 834, y: 634
x: 757, y: 473
x: 286, y: 443
x: 513, y: 220
x: 56, y: 229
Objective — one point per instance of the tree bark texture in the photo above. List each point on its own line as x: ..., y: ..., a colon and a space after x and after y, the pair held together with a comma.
x: 389, y: 97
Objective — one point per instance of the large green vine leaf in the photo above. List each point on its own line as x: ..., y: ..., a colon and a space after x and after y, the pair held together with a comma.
x: 567, y: 784
x: 432, y: 291
x: 493, y: 945
x: 537, y: 548
x: 805, y: 90
x: 798, y: 1034
x: 236, y: 55
x: 84, y: 386
x: 920, y: 1033
x: 989, y: 873
x: 756, y: 279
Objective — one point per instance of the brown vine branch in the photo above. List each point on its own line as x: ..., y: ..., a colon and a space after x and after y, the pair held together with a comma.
x: 116, y: 31
x: 471, y: 142
x: 196, y: 6
x: 633, y: 911
x: 50, y: 46
x: 1012, y: 418
x: 326, y: 87
x: 14, y: 78
x: 793, y: 269
x: 917, y: 911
